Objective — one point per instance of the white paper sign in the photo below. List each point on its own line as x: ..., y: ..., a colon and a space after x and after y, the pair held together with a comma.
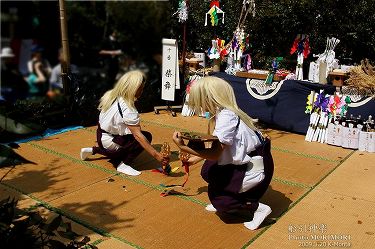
x: 170, y: 69
x: 345, y: 139
x: 367, y: 141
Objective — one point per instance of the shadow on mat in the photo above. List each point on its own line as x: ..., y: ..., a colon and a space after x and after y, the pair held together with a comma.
x: 96, y: 159
x: 30, y: 180
x: 177, y: 190
x: 45, y: 183
x: 99, y: 213
x: 278, y: 202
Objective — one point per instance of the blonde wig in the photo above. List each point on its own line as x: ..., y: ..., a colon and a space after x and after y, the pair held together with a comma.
x: 212, y: 94
x: 126, y: 87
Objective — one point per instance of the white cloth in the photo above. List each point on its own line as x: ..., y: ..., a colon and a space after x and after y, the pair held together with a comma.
x: 240, y: 141
x: 250, y: 180
x: 112, y: 122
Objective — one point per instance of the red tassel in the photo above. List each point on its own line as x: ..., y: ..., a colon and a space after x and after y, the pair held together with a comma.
x: 214, y: 3
x: 295, y: 45
x: 306, y: 50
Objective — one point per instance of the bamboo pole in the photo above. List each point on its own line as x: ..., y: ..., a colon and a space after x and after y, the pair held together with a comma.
x: 65, y: 65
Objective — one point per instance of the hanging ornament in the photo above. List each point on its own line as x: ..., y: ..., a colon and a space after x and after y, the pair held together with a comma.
x: 214, y: 13
x: 182, y: 11
x: 300, y: 45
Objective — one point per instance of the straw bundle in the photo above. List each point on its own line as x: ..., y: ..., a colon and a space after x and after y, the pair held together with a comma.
x: 362, y: 77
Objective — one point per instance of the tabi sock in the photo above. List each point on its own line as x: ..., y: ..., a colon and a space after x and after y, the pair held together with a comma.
x: 85, y: 153
x: 127, y: 170
x: 210, y: 208
x: 259, y: 215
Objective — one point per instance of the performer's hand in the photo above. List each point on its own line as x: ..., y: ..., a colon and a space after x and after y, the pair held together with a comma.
x: 194, y: 159
x: 162, y: 159
x: 165, y: 160
x: 177, y: 138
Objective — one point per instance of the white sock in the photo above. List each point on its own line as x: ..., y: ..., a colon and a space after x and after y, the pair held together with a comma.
x: 259, y: 215
x: 85, y: 153
x: 127, y: 169
x: 210, y: 208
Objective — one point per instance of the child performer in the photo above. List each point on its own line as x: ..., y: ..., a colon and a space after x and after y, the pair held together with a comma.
x: 239, y: 166
x: 119, y: 134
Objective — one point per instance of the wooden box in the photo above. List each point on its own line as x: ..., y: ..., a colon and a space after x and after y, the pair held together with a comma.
x: 337, y: 78
x: 260, y: 76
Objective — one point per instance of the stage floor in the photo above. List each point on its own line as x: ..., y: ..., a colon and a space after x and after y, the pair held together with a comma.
x: 313, y: 184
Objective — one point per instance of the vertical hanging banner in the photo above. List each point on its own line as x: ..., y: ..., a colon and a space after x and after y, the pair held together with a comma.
x: 170, y: 71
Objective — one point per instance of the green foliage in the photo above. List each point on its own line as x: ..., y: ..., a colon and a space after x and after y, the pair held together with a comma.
x: 142, y: 25
x: 27, y: 229
x: 276, y: 24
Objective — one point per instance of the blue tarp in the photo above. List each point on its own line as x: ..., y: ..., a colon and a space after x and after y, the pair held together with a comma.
x: 48, y: 133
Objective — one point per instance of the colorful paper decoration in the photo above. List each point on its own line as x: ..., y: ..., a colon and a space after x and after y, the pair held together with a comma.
x: 240, y: 41
x: 214, y: 13
x: 323, y: 108
x: 218, y: 50
x: 301, y: 45
x: 182, y: 11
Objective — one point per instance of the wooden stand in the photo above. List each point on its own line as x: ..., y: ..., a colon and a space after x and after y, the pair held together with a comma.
x: 168, y: 108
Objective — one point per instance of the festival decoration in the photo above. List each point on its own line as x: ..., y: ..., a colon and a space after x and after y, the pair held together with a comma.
x: 240, y: 41
x: 275, y: 66
x: 247, y: 65
x: 182, y: 11
x: 301, y: 45
x: 237, y: 47
x: 214, y: 13
x: 324, y: 108
x: 218, y: 50
x: 362, y: 77
x: 325, y: 63
x: 329, y: 55
x: 186, y: 110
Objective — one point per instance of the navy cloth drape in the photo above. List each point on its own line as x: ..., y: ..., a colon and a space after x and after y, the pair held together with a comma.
x: 286, y: 109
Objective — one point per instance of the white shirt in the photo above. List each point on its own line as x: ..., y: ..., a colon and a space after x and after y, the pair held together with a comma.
x: 112, y: 122
x: 240, y: 141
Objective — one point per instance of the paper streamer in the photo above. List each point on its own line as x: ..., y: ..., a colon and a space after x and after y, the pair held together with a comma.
x: 170, y: 69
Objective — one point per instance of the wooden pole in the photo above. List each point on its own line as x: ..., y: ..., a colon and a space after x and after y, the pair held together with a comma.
x: 65, y: 65
x: 184, y: 48
x: 183, y: 53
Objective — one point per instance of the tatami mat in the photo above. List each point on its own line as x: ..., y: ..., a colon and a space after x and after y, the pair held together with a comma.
x: 129, y: 212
